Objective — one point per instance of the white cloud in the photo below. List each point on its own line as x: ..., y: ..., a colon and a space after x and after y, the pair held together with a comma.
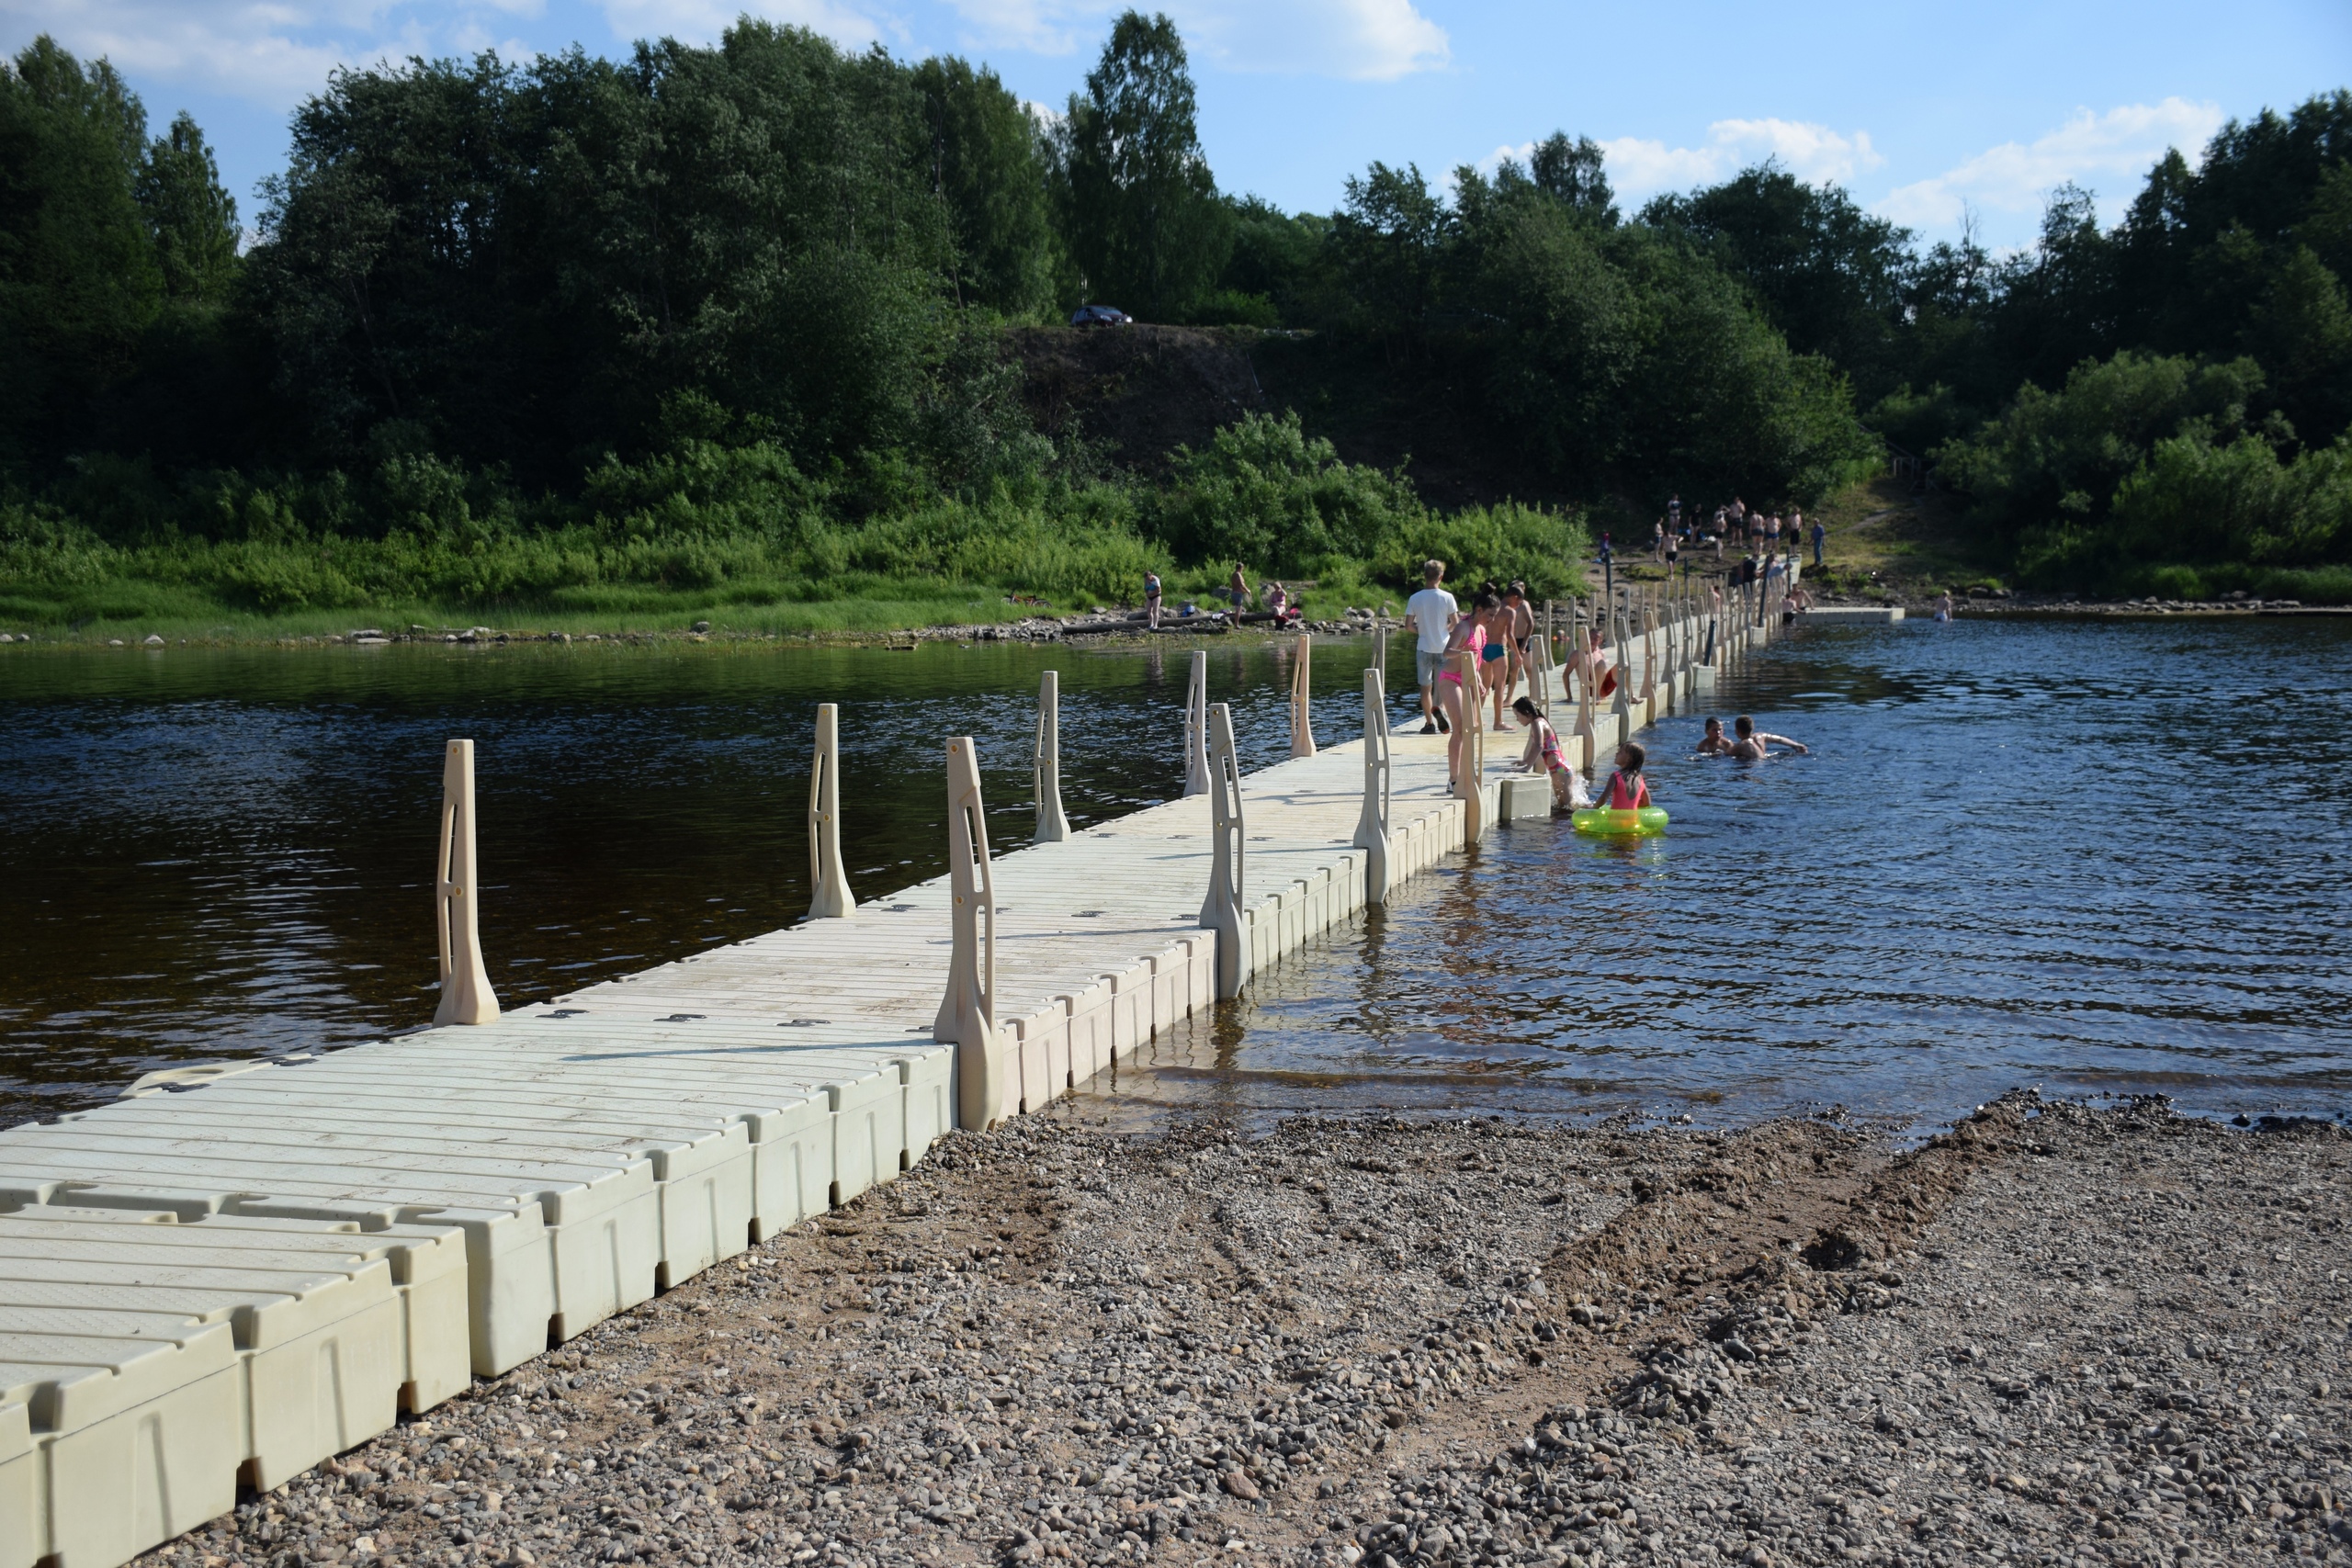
x: 262, y: 52
x: 1363, y: 40
x: 1815, y: 154
x: 701, y: 21
x: 2110, y: 151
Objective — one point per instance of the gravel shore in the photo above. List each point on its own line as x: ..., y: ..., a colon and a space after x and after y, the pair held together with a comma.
x: 2055, y: 1335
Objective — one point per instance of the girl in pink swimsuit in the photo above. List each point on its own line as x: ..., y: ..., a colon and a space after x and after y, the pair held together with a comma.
x: 1543, y: 751
x: 1469, y: 637
x: 1627, y: 791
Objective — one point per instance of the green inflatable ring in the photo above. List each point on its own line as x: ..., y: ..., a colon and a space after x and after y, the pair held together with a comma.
x: 1602, y: 822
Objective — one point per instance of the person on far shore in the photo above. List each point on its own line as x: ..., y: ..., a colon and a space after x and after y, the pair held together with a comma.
x: 1277, y: 601
x: 1714, y: 743
x: 1819, y: 533
x: 1627, y: 790
x: 1754, y: 745
x: 1542, y: 754
x: 1151, y: 600
x: 1237, y: 588
x: 1943, y: 606
x: 1673, y: 552
x: 1431, y: 613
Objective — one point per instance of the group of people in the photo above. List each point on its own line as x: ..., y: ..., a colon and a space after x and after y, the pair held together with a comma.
x: 1757, y: 531
x: 1498, y: 636
x: 1279, y: 603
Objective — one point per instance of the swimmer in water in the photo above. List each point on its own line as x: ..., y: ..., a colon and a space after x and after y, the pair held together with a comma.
x: 1627, y: 791
x: 1714, y: 743
x: 1754, y: 745
x: 1943, y: 606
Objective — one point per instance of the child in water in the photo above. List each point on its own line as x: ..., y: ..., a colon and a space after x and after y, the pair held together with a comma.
x: 1542, y: 751
x: 1626, y: 790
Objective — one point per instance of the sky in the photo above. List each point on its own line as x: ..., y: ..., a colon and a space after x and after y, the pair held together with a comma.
x: 1931, y: 115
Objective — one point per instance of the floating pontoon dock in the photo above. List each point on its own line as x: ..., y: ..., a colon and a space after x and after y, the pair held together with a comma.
x: 239, y: 1269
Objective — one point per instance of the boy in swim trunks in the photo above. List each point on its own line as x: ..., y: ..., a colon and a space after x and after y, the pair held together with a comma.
x: 1627, y: 791
x: 1714, y: 743
x: 1543, y: 753
x: 1754, y: 745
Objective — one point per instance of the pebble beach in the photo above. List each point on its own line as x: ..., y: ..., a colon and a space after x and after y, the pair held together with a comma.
x: 2055, y: 1334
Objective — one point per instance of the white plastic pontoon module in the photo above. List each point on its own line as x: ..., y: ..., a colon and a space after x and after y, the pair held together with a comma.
x: 138, y: 1436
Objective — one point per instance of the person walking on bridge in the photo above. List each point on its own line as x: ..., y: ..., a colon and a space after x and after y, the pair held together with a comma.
x: 1431, y: 613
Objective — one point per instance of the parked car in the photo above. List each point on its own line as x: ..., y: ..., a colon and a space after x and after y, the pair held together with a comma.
x: 1101, y: 316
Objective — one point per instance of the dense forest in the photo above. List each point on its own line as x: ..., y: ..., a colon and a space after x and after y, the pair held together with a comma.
x: 733, y: 323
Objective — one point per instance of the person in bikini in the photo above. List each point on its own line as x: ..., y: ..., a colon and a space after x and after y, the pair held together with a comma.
x: 1523, y: 635
x: 1542, y: 753
x: 1627, y: 790
x: 1469, y: 636
x: 1151, y: 597
x: 1494, y: 656
x: 1754, y: 745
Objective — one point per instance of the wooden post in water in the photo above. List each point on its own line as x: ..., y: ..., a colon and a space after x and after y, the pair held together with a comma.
x: 1470, y: 779
x: 1196, y: 729
x: 466, y: 995
x: 829, y: 895
x: 1046, y: 761
x: 1221, y: 910
x: 1302, y: 725
x: 966, y: 1018
x: 1372, y: 826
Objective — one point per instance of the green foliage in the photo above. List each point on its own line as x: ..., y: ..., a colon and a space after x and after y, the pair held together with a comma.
x: 729, y: 321
x: 2056, y: 459
x: 78, y: 278
x: 1140, y: 212
x: 1265, y: 494
x: 191, y: 220
x: 1830, y: 275
x: 984, y: 161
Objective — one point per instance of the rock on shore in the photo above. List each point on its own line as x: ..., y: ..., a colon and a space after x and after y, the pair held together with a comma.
x: 2055, y: 1335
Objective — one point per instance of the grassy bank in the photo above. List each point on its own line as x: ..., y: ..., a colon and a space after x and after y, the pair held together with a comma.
x: 734, y: 535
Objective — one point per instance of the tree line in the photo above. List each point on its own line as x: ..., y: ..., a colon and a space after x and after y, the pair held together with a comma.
x: 735, y: 318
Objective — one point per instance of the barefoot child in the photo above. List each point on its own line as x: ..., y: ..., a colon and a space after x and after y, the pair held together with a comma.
x: 1542, y: 753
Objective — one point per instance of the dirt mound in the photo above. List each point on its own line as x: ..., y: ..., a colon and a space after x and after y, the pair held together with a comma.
x: 1141, y: 392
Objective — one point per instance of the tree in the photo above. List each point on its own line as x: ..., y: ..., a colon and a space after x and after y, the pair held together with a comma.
x: 1390, y: 240
x: 981, y: 160
x: 1830, y: 275
x: 191, y: 220
x: 1139, y: 209
x: 1570, y: 173
x: 78, y: 279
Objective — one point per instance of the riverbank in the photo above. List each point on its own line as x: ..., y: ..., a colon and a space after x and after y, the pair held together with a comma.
x: 867, y: 623
x: 2056, y: 1334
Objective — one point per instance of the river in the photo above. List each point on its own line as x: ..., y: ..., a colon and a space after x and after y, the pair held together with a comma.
x: 2099, y: 857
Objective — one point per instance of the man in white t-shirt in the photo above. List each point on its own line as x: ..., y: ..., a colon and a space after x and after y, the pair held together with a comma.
x: 1431, y: 613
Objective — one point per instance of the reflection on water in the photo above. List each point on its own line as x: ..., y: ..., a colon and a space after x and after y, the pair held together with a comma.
x: 225, y: 852
x: 2091, y: 856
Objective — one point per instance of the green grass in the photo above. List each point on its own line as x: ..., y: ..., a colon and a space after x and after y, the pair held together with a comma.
x: 132, y: 609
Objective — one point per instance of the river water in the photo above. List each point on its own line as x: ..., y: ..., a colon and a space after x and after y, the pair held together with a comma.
x: 2093, y: 856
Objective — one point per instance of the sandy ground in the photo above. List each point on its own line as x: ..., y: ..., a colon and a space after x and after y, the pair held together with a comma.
x: 2056, y: 1334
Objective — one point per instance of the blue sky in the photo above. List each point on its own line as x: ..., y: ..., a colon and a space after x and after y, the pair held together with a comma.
x: 1922, y: 111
